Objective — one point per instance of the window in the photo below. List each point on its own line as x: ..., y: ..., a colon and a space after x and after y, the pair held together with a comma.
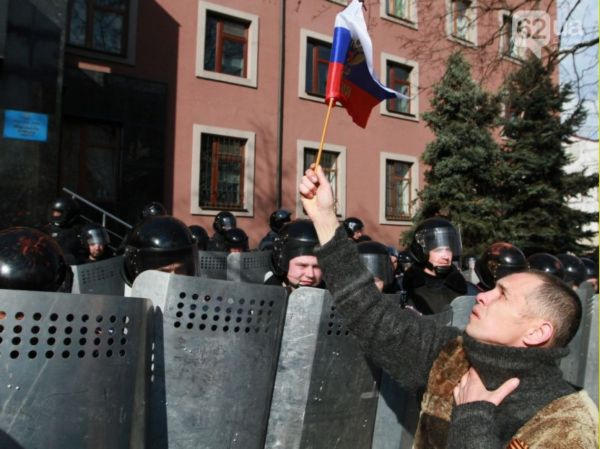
x: 398, y: 79
x: 105, y: 27
x: 461, y: 22
x: 317, y: 63
x: 398, y: 188
x: 333, y: 161
x: 403, y: 12
x: 227, y: 46
x: 401, y: 75
x: 314, y: 63
x: 222, y: 170
x: 508, y: 36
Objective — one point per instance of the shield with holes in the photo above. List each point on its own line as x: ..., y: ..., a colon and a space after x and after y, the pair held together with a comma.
x: 212, y: 264
x: 101, y: 278
x: 326, y: 390
x: 249, y: 266
x: 215, y: 360
x: 73, y: 371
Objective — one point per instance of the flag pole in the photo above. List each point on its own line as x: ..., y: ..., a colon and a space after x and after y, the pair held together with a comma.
x: 318, y: 160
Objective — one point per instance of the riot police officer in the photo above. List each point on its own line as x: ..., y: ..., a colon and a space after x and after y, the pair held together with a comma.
x: 200, y: 236
x: 223, y: 222
x: 32, y: 260
x: 95, y: 241
x: 354, y: 228
x: 574, y: 269
x: 591, y: 272
x: 159, y: 243
x: 276, y: 221
x: 499, y: 260
x: 547, y: 263
x: 236, y: 240
x: 293, y: 259
x: 376, y: 258
x: 432, y: 281
x: 64, y: 226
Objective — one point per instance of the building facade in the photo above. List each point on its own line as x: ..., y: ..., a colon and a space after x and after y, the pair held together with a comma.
x: 209, y: 106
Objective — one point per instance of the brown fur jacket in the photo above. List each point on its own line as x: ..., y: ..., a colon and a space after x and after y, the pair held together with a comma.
x: 543, y: 412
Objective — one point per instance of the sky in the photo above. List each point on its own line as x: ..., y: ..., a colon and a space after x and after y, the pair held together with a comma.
x: 582, y: 70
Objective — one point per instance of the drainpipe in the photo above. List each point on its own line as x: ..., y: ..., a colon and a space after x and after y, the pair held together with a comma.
x: 279, y: 188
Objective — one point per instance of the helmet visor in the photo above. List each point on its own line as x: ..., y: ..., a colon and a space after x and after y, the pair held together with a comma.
x: 97, y: 236
x: 433, y: 238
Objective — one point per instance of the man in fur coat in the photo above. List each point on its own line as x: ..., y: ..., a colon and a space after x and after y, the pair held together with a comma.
x: 495, y: 385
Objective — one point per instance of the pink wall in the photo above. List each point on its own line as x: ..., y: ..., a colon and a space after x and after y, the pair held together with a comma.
x: 213, y: 103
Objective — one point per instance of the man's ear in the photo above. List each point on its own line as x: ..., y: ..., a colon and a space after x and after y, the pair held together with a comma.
x: 540, y: 334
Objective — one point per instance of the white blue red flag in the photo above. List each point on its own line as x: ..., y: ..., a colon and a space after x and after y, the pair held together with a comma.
x: 350, y: 78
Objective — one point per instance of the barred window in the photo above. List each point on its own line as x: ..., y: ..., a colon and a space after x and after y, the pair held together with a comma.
x: 221, y: 172
x: 398, y: 190
x: 399, y: 80
x: 329, y: 163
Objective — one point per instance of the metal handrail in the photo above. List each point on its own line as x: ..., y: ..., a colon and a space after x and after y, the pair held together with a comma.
x: 99, y: 209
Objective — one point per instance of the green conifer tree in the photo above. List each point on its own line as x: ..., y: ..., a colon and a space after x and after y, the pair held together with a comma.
x: 535, y: 188
x: 463, y: 159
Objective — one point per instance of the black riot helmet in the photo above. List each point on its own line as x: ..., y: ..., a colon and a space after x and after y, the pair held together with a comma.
x: 574, y: 269
x: 591, y: 269
x: 547, y: 263
x: 224, y: 221
x: 499, y: 260
x: 279, y: 218
x: 93, y: 233
x: 236, y: 238
x: 352, y: 225
x: 153, y: 209
x: 376, y: 258
x: 30, y: 260
x: 63, y: 212
x: 434, y: 233
x: 200, y: 236
x: 296, y: 238
x: 160, y: 242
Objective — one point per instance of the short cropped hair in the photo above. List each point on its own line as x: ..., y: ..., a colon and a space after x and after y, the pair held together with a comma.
x: 560, y: 305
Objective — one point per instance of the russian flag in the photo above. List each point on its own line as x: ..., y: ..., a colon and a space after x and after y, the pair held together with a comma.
x: 350, y: 78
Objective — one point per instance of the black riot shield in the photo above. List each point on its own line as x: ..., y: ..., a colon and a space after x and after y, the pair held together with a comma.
x: 249, y: 266
x: 101, y: 278
x: 325, y: 391
x: 212, y: 264
x: 214, y: 362
x: 74, y: 370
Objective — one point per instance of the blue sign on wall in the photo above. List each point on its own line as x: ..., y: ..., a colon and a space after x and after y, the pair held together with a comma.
x: 25, y: 125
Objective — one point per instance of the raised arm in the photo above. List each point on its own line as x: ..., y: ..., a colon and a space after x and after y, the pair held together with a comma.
x: 400, y: 341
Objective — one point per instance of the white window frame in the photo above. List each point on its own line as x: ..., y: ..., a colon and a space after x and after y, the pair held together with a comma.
x: 129, y: 59
x: 250, y: 138
x: 305, y: 34
x: 414, y: 86
x: 502, y: 41
x: 251, y: 79
x: 471, y: 40
x: 411, y: 22
x: 301, y: 145
x: 414, y: 177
